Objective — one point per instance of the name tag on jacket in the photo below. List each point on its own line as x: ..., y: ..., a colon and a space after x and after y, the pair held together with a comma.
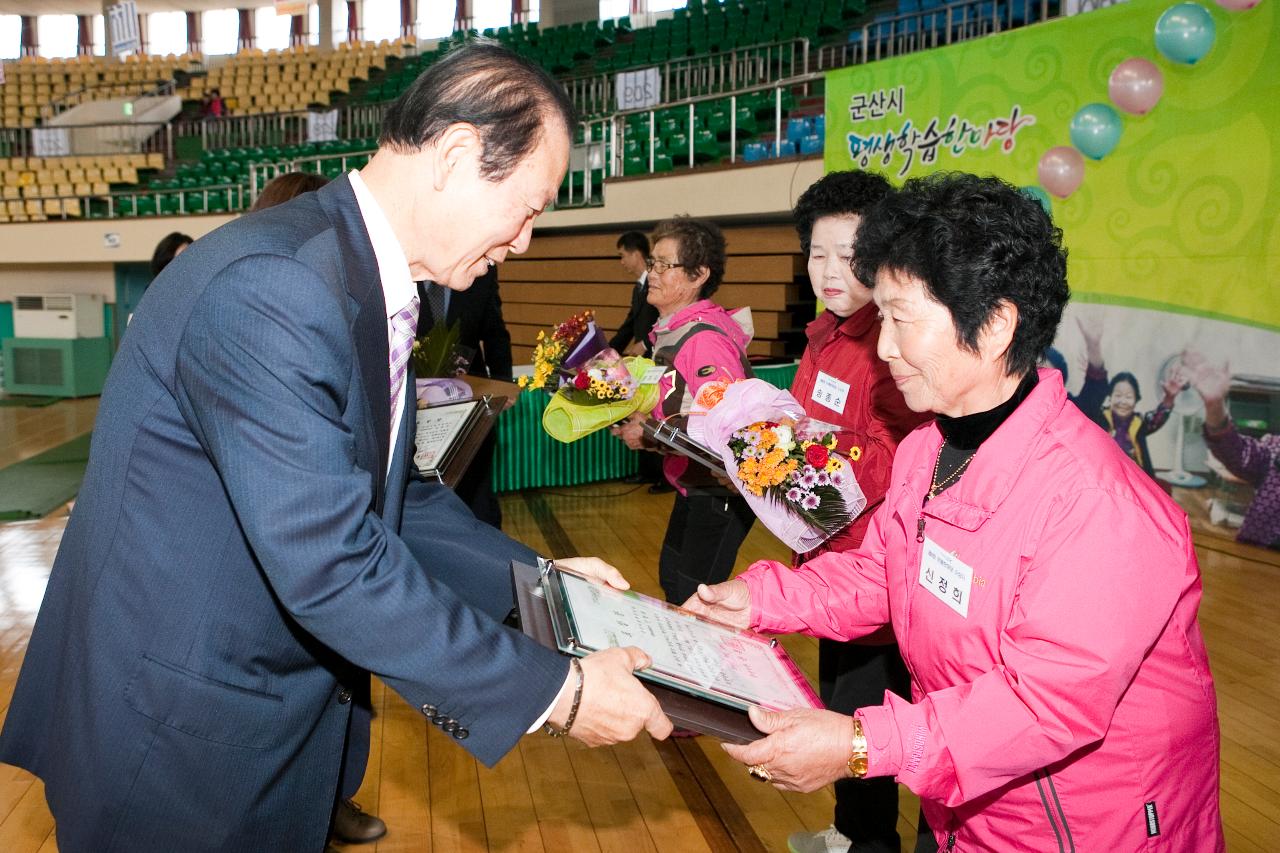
x: 947, y: 578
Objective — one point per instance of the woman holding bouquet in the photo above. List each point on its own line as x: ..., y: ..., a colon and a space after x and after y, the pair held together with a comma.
x: 842, y: 382
x: 698, y: 342
x: 1043, y: 590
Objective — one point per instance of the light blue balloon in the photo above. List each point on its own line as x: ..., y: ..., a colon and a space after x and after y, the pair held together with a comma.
x: 1037, y: 193
x: 1185, y: 33
x: 1095, y: 130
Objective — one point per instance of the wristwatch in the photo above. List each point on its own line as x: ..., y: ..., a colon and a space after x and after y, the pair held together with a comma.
x: 858, y: 751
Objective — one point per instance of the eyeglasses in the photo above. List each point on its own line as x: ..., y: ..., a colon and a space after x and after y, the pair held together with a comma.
x: 658, y: 267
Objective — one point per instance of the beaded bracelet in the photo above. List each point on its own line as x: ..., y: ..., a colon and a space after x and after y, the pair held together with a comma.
x: 577, y: 700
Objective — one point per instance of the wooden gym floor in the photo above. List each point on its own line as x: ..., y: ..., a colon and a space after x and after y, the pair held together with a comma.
x: 682, y: 795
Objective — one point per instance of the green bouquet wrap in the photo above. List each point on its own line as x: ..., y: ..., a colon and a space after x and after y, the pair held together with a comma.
x: 572, y: 413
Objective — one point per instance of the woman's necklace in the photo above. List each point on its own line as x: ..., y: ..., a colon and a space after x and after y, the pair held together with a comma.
x: 936, y: 487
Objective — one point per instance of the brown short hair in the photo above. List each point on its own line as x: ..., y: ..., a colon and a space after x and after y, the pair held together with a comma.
x: 287, y: 187
x: 701, y: 246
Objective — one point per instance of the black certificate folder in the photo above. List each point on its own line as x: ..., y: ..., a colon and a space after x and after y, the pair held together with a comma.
x: 704, y: 674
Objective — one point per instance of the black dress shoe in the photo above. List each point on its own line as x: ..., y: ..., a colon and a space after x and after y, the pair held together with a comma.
x: 661, y: 488
x: 353, y: 825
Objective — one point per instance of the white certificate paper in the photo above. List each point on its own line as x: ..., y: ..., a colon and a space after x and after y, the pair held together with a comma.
x: 737, y: 668
x: 438, y: 428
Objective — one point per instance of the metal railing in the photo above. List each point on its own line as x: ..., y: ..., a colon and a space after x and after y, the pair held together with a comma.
x: 355, y: 121
x: 262, y: 173
x: 149, y: 89
x: 90, y: 139
x: 895, y: 35
x: 233, y: 198
x: 716, y: 73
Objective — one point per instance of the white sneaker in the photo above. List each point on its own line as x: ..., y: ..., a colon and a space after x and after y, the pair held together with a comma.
x: 830, y: 840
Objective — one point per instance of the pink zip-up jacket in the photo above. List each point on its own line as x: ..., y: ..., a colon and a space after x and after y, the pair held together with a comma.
x: 1071, y: 708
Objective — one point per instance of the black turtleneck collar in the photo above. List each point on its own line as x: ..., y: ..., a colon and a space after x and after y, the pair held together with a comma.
x: 966, y: 432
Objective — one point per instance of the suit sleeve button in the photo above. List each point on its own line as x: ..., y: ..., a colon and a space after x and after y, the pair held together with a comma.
x: 461, y: 734
x: 344, y: 696
x: 428, y: 710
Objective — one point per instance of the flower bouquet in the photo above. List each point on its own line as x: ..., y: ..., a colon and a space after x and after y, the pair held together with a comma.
x: 783, y: 462
x: 606, y: 388
x: 555, y: 357
x: 438, y: 359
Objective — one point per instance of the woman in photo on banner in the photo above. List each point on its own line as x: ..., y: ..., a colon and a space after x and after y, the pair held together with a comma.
x: 1043, y: 590
x: 698, y: 342
x: 841, y: 381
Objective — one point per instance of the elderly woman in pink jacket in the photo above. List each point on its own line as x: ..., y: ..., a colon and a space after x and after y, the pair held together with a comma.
x: 1042, y: 588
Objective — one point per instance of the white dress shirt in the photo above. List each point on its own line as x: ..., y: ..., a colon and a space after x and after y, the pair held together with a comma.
x: 397, y: 284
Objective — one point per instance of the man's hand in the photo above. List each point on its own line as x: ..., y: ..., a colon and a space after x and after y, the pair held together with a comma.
x: 805, y: 748
x: 596, y: 569
x: 728, y: 602
x: 615, y: 706
x: 634, y: 348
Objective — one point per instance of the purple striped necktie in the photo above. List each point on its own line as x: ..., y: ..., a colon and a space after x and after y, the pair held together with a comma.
x: 404, y: 327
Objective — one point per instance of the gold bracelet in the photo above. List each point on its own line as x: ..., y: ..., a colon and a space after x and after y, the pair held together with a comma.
x: 857, y: 762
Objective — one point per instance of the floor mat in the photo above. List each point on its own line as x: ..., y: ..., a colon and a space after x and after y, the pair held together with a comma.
x: 35, y: 487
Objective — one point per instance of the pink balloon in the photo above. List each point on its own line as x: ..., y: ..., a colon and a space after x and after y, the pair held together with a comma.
x: 1237, y: 5
x: 1061, y: 170
x: 1135, y: 86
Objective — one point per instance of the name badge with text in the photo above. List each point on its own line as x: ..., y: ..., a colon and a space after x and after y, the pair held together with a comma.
x: 946, y: 577
x: 830, y: 392
x: 653, y: 375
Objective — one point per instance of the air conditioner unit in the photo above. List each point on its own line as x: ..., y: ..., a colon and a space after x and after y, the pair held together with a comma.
x: 52, y: 367
x: 58, y: 315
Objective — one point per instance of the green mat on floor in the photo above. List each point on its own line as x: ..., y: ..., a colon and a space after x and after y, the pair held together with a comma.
x: 31, y: 402
x: 35, y: 487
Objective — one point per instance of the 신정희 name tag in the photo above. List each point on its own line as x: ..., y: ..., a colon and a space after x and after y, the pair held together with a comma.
x: 946, y: 576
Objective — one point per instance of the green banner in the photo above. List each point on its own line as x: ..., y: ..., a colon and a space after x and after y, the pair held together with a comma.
x: 1180, y: 216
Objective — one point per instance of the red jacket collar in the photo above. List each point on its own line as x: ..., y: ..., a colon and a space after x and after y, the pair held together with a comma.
x: 826, y: 325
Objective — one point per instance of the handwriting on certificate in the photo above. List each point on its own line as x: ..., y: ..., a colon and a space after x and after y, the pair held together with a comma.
x: 946, y: 576
x: 696, y: 652
x: 437, y: 428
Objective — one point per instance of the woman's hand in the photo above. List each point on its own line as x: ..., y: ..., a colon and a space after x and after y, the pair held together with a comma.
x: 805, y: 748
x: 631, y: 431
x: 728, y: 602
x: 596, y: 569
x: 1212, y: 382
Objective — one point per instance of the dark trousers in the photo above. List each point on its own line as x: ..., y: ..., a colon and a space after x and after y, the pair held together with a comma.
x: 703, y: 536
x: 651, y: 466
x: 852, y: 676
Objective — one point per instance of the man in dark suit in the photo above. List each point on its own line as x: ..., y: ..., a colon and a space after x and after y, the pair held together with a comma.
x: 481, y: 329
x: 248, y: 543
x: 632, y: 337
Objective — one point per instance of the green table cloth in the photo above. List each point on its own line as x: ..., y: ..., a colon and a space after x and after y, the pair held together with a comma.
x: 528, y: 458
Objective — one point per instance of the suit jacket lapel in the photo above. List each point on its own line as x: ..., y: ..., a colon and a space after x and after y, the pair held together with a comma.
x: 364, y: 286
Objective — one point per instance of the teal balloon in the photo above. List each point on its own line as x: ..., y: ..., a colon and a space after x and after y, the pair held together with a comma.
x: 1185, y: 33
x: 1095, y: 130
x: 1035, y: 192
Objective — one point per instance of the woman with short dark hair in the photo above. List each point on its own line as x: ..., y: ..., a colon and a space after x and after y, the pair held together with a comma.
x: 1042, y: 590
x: 699, y: 342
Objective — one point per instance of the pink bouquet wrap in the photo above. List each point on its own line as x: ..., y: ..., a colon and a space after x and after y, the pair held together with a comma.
x: 781, y: 461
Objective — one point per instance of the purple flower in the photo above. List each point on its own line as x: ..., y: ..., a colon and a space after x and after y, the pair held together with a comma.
x: 809, y: 479
x: 823, y: 478
x: 838, y: 478
x: 810, y: 501
x: 794, y: 495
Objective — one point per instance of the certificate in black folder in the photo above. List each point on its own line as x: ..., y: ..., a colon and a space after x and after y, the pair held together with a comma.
x: 448, y: 436
x: 673, y: 438
x: 704, y: 674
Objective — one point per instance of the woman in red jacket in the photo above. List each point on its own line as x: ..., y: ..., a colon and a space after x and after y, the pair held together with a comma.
x: 843, y: 382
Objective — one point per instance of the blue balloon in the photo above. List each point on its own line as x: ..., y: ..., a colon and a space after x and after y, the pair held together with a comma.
x: 1185, y: 33
x: 1035, y: 192
x: 1095, y: 130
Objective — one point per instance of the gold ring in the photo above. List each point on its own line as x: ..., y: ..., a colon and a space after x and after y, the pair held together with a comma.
x: 759, y: 771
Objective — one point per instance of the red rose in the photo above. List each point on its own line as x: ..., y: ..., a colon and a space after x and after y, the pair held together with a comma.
x: 815, y: 455
x: 582, y: 381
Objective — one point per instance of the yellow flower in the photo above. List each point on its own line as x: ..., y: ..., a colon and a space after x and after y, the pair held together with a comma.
x: 855, y: 453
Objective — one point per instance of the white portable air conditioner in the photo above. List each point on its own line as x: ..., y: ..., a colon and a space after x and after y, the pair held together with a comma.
x: 58, y: 315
